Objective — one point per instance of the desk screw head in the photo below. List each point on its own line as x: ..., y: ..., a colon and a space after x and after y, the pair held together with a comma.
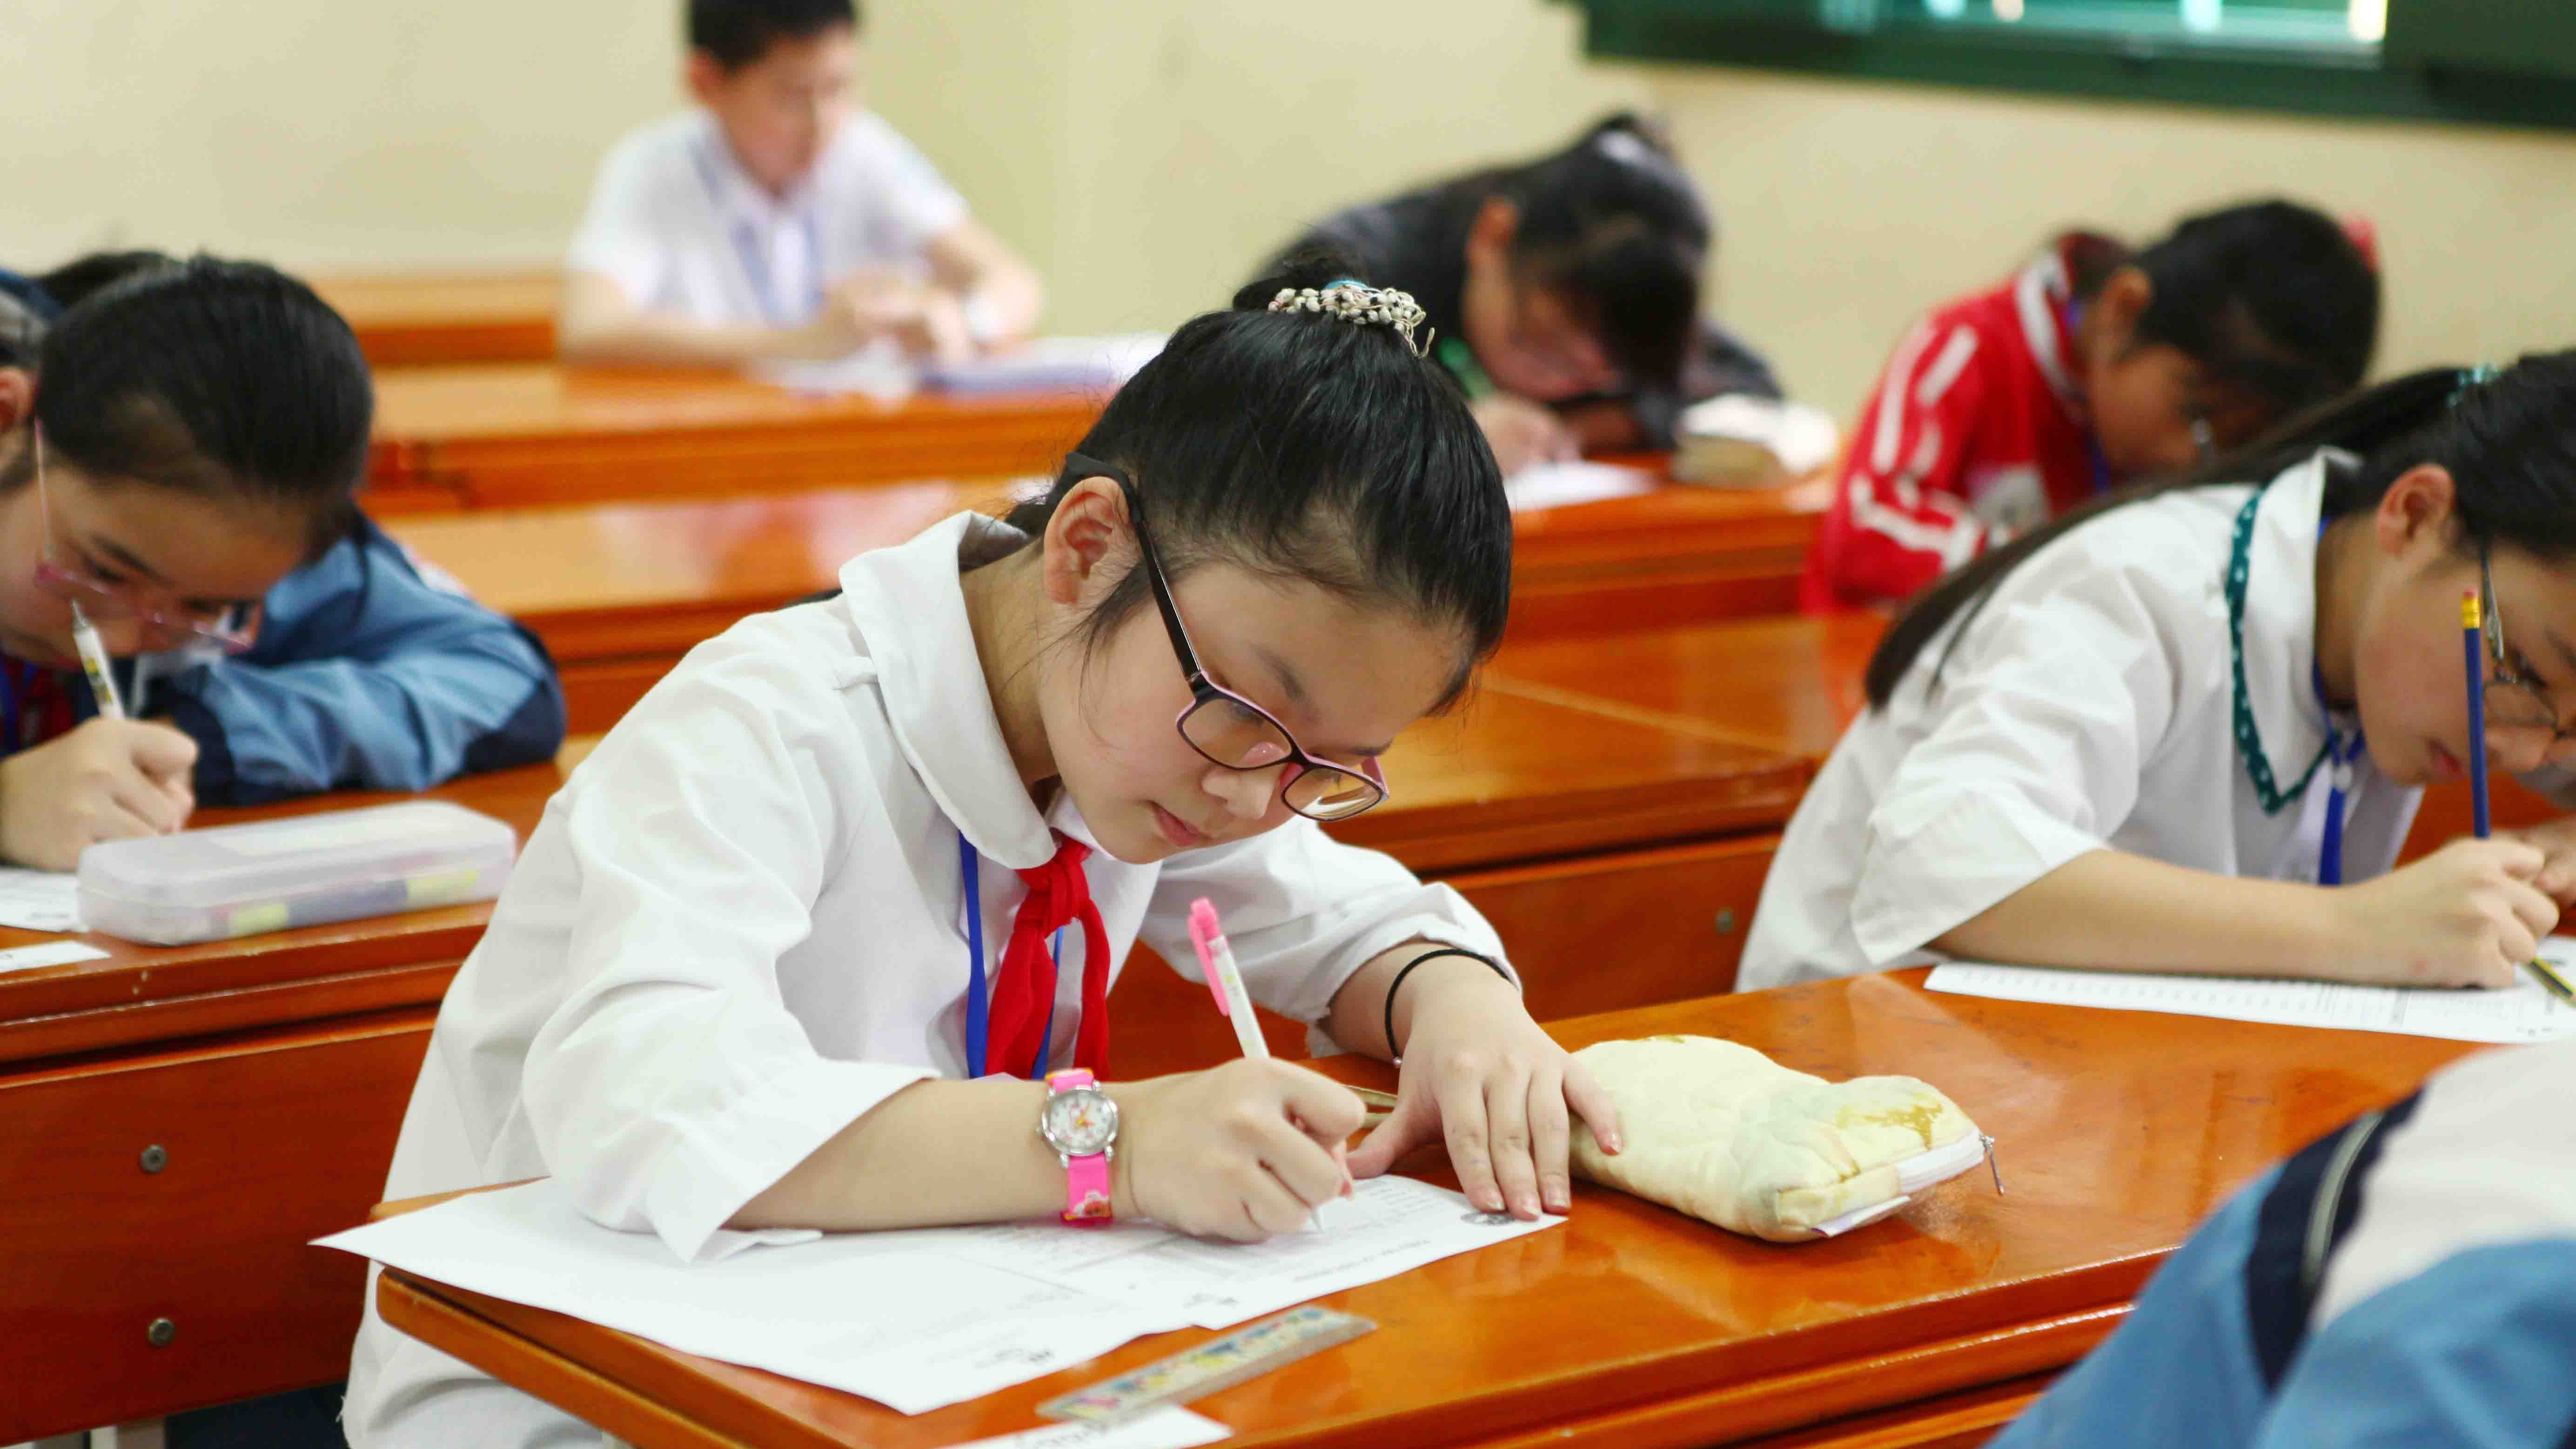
x: 161, y: 1332
x: 1726, y: 921
x: 155, y: 1158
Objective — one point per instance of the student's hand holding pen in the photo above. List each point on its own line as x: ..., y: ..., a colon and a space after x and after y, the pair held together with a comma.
x: 1246, y: 1150
x: 2469, y: 914
x: 110, y: 779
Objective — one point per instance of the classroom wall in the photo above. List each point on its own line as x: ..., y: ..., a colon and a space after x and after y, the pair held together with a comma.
x: 1146, y: 153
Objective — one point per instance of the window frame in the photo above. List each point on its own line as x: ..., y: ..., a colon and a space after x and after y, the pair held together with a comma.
x: 2398, y: 82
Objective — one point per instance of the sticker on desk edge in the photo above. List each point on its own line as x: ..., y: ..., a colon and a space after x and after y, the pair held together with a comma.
x: 52, y: 953
x: 1166, y: 1428
x: 1230, y: 1358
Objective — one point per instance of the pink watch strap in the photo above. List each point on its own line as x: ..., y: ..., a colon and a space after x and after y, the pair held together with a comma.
x: 1086, y: 1178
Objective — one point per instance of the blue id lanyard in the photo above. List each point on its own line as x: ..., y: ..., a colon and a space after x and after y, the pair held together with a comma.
x: 9, y: 720
x: 2339, y: 761
x: 2072, y: 313
x: 754, y: 259
x: 978, y: 1005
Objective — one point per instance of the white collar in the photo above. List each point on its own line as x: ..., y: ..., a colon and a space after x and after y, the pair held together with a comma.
x: 2040, y: 294
x: 730, y: 188
x: 910, y: 610
x: 2281, y: 620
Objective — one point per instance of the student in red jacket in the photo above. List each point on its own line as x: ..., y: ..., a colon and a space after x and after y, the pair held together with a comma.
x: 2091, y: 368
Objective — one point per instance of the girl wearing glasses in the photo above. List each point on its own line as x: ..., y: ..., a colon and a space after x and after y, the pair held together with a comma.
x: 822, y: 935
x: 2143, y: 737
x: 179, y: 443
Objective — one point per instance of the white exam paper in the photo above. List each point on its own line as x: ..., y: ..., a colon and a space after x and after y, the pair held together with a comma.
x: 1172, y: 1428
x: 1555, y: 485
x: 922, y: 1319
x: 39, y: 900
x: 2522, y: 1012
x: 52, y: 953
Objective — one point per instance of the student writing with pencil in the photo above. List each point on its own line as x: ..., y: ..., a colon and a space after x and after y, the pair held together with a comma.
x: 2146, y: 735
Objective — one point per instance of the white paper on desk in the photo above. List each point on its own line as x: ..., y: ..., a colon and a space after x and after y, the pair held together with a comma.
x: 2522, y: 1012
x: 915, y: 1320
x: 1048, y: 364
x: 52, y: 953
x: 1166, y: 1428
x: 39, y: 900
x: 1555, y: 485
x: 1390, y: 1225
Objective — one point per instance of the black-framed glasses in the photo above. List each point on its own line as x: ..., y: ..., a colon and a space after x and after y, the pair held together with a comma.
x: 1225, y: 728
x: 2515, y: 699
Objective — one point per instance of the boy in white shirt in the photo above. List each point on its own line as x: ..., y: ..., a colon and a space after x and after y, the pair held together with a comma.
x: 780, y: 221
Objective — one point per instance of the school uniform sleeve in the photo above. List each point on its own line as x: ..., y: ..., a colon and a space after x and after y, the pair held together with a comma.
x: 1902, y: 495
x: 1303, y: 912
x: 2470, y: 1354
x: 673, y: 1083
x: 636, y: 216
x: 2043, y: 723
x: 367, y: 675
x: 898, y: 187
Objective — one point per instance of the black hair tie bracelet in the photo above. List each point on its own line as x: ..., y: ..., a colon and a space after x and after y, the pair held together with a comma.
x: 1397, y: 985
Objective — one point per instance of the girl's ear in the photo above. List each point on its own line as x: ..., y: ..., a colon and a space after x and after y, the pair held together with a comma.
x: 1490, y: 236
x: 1087, y: 542
x: 2419, y: 508
x: 2112, y: 316
x: 17, y: 397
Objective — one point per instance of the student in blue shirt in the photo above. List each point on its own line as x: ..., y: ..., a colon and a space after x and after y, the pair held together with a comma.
x: 2407, y: 1280
x: 180, y: 443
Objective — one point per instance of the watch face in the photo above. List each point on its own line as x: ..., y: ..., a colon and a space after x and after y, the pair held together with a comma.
x: 1080, y: 1122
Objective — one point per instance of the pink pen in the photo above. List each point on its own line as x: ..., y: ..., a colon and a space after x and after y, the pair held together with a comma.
x: 1224, y: 980
x: 1225, y: 983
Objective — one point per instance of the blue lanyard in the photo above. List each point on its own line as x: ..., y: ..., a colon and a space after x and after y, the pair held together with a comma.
x: 9, y: 709
x: 2339, y: 759
x: 2071, y: 313
x: 755, y: 261
x: 978, y: 1006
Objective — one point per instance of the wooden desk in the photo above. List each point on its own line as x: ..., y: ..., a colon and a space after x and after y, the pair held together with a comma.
x: 407, y: 320
x: 273, y: 1072
x: 1634, y: 1327
x: 513, y: 434
x: 619, y: 591
x: 1794, y: 684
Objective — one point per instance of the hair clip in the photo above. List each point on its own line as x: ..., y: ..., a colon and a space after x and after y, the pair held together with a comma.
x: 1357, y: 302
x: 2478, y: 376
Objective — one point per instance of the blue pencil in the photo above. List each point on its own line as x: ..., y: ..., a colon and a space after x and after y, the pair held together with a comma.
x: 2470, y: 631
x: 2471, y: 637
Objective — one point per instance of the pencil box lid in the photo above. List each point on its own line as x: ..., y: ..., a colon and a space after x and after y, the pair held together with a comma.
x: 234, y: 880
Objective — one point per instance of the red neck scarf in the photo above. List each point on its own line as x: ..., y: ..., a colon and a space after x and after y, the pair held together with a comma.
x: 1024, y: 996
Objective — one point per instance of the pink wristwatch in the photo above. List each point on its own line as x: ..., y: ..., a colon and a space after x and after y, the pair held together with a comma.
x: 1081, y: 1123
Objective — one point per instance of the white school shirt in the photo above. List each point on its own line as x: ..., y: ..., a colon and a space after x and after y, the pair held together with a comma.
x: 741, y: 924
x: 2089, y: 706
x: 680, y: 227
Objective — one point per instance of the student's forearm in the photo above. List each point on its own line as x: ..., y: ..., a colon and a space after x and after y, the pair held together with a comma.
x: 934, y: 1154
x: 1003, y: 305
x: 598, y: 322
x: 2110, y: 911
x: 651, y: 337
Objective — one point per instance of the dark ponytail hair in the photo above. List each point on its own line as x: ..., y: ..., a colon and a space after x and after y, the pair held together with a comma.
x: 2509, y: 443
x: 1302, y: 446
x: 1614, y: 225
x: 206, y: 376
x: 2270, y: 297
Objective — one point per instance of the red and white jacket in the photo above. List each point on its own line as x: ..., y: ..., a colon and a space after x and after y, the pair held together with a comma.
x: 1977, y: 433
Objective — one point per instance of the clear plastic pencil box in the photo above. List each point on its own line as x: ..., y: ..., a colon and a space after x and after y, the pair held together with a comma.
x: 306, y: 870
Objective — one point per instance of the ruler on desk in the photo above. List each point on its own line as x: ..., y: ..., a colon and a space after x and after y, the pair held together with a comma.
x: 1230, y: 1358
